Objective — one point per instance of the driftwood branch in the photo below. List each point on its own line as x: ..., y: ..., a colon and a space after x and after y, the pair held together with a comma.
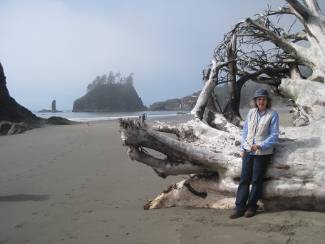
x: 300, y: 9
x: 277, y: 40
x: 202, y: 101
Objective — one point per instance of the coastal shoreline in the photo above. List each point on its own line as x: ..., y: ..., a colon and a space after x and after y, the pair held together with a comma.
x: 76, y: 184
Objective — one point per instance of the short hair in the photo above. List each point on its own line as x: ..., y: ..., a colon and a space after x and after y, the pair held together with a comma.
x: 268, y: 102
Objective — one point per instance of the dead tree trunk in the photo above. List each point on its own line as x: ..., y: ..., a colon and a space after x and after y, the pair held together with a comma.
x: 293, y: 181
x: 231, y: 111
x: 208, y: 150
x: 206, y: 93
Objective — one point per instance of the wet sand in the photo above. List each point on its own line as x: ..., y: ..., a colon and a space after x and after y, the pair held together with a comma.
x: 76, y: 184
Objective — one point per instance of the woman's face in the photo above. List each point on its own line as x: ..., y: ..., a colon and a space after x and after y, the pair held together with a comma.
x: 261, y: 103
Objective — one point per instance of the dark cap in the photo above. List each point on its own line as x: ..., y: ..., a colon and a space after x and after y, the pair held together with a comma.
x: 260, y: 93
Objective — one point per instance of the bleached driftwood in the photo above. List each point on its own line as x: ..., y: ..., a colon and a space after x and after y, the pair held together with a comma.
x: 294, y: 179
x: 207, y: 148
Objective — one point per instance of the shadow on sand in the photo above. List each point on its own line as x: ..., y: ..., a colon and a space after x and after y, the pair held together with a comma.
x: 24, y: 197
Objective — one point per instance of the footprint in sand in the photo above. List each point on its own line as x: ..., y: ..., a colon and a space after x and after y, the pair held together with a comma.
x: 19, y: 226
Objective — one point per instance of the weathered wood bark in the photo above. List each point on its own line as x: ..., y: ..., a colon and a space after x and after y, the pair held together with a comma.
x: 208, y: 150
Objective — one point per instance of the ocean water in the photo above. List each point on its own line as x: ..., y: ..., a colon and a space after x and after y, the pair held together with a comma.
x: 87, y: 117
x: 285, y: 116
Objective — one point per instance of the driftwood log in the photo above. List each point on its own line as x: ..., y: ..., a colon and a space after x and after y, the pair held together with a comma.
x: 207, y: 147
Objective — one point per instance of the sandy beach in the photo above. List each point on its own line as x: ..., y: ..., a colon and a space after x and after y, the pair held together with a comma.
x: 76, y: 184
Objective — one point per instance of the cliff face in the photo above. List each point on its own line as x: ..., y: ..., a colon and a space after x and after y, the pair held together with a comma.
x: 112, y: 97
x: 184, y: 103
x: 10, y: 110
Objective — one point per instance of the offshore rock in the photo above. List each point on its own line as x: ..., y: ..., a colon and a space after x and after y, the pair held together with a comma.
x: 110, y: 97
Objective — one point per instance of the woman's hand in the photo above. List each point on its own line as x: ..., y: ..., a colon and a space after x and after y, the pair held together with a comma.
x: 242, y: 153
x: 255, y: 147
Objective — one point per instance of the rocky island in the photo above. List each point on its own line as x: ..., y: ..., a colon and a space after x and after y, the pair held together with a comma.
x: 112, y: 93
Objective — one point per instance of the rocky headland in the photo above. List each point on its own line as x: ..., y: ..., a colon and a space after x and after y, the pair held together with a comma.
x: 15, y: 118
x: 185, y: 103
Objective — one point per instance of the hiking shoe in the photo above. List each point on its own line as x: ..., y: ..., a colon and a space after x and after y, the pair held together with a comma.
x: 236, y: 214
x: 250, y: 212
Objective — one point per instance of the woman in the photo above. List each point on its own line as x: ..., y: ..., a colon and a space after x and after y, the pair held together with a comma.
x: 260, y: 133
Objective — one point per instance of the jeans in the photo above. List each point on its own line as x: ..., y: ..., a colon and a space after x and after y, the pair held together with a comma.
x: 253, y: 171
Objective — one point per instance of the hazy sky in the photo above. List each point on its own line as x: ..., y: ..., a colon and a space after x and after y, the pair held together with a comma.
x: 52, y: 49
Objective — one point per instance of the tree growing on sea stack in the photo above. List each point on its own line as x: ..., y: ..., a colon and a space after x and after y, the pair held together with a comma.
x: 207, y: 147
x: 112, y: 93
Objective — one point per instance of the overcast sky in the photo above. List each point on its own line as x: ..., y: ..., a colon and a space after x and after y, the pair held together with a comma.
x: 52, y: 49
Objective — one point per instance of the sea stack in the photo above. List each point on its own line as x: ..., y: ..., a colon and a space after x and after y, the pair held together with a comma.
x: 111, y: 93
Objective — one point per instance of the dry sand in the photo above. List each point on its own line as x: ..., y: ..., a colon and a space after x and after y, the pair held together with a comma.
x: 75, y: 184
